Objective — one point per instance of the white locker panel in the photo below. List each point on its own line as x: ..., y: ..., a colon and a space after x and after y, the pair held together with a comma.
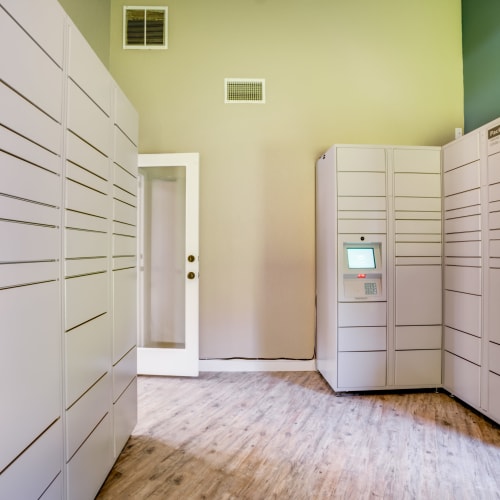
x: 462, y: 249
x: 462, y: 179
x: 360, y: 159
x: 362, y: 314
x: 418, y: 249
x: 462, y: 344
x: 418, y: 226
x: 124, y: 372
x: 124, y: 312
x: 25, y: 273
x: 418, y: 261
x: 361, y: 215
x: 18, y: 247
x: 463, y: 279
x: 463, y: 312
x: 494, y: 192
x: 361, y: 203
x: 463, y: 224
x: 418, y: 337
x: 42, y: 187
x: 124, y: 213
x: 463, y: 261
x: 494, y: 168
x: 81, y: 244
x: 414, y: 215
x: 416, y: 204
x: 418, y: 296
x: 465, y: 199
x: 33, y: 471
x: 87, y: 70
x: 463, y: 212
x: 126, y: 116
x: 88, y: 121
x: 86, y: 298
x: 494, y: 359
x: 494, y: 396
x: 361, y: 184
x: 86, y: 413
x: 125, y: 153
x: 125, y: 229
x: 124, y: 180
x: 418, y: 368
x: 88, y: 356
x: 351, y: 226
x: 417, y: 185
x: 493, y: 295
x: 88, y: 201
x: 124, y: 245
x: 84, y: 177
x: 49, y: 33
x: 30, y: 349
x: 25, y: 211
x: 464, y: 150
x: 417, y: 160
x: 122, y: 195
x: 22, y: 117
x: 362, y: 339
x: 417, y: 238
x: 494, y: 206
x: 80, y: 153
x: 77, y: 267
x: 45, y: 91
x: 77, y: 220
x: 88, y: 468
x: 462, y: 378
x: 494, y: 220
x: 465, y: 236
x: 362, y: 369
x: 22, y: 148
x: 123, y: 262
x: 125, y: 416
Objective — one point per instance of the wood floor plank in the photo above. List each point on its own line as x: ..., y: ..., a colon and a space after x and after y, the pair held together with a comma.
x: 286, y: 435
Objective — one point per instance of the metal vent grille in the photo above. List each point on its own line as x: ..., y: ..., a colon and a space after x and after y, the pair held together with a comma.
x: 241, y: 90
x: 145, y: 27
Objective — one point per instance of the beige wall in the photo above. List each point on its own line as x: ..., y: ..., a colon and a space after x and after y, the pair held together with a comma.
x: 336, y: 71
x: 92, y: 19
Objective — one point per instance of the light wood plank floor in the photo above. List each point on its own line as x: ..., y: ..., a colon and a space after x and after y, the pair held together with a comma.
x: 260, y: 436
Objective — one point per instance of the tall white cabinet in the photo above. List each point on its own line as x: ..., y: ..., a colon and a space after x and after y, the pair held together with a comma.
x: 68, y: 159
x: 471, y: 176
x: 388, y: 196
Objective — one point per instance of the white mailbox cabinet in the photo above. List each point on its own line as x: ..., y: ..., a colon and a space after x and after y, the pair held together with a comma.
x: 379, y: 267
x: 68, y: 137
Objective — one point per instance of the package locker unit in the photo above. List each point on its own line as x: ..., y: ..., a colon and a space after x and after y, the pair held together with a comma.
x: 68, y: 148
x: 471, y: 177
x: 379, y: 324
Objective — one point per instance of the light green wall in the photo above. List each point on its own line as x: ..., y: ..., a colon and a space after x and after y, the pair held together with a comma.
x: 92, y: 18
x: 336, y: 71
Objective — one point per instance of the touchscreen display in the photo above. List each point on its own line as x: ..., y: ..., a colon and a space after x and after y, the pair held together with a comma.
x: 360, y: 258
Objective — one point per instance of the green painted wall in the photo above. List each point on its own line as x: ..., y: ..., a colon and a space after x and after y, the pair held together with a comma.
x: 336, y: 71
x: 481, y: 60
x: 92, y: 18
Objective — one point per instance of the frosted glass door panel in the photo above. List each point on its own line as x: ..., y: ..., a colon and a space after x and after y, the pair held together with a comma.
x: 164, y: 251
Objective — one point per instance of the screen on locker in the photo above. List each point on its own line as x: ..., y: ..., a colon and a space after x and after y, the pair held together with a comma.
x: 360, y: 258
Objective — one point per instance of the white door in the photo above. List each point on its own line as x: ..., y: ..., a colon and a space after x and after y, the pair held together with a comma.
x: 168, y: 264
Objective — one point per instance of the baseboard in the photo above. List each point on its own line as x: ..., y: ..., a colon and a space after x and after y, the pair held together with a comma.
x: 257, y: 365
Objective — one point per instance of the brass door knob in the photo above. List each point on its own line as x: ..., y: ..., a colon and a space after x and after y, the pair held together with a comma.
x: 191, y: 275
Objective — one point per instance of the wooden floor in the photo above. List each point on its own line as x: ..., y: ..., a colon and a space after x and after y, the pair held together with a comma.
x: 286, y: 436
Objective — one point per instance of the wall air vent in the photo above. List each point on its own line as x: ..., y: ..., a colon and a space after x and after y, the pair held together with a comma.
x: 145, y: 27
x: 241, y: 90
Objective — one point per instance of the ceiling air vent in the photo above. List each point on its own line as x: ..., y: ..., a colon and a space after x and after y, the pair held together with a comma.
x: 240, y: 90
x: 145, y: 27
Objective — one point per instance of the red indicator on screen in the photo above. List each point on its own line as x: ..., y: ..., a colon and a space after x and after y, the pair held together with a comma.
x: 361, y: 275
